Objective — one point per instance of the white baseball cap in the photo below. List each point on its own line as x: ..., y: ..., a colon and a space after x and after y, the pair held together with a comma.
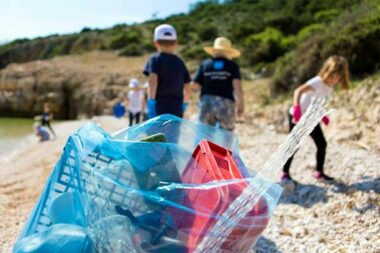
x: 165, y: 32
x: 133, y: 83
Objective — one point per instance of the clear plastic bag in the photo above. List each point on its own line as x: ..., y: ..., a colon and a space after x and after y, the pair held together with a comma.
x: 162, y: 186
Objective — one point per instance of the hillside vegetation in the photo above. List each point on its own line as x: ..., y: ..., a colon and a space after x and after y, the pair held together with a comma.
x: 286, y: 39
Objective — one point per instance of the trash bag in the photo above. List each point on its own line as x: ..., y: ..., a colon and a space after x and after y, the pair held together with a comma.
x: 63, y: 238
x: 161, y: 186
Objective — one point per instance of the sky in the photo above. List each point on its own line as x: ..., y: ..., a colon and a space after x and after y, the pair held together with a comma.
x: 33, y: 18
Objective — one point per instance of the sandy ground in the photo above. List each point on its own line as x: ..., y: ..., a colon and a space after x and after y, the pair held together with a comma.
x: 23, y: 177
x: 321, y: 217
x: 317, y: 217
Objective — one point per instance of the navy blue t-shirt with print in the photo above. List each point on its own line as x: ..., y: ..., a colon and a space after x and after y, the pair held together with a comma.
x: 172, y: 74
x: 215, y: 75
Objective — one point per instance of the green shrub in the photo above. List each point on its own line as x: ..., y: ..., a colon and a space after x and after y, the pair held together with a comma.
x: 208, y: 33
x: 266, y: 46
x: 195, y: 52
x: 354, y: 35
x: 82, y: 43
x: 48, y: 51
x: 125, y: 37
x: 85, y: 30
x: 326, y: 16
x: 305, y: 32
x: 293, y: 37
x: 119, y: 41
x: 132, y: 50
x: 148, y: 46
x: 184, y: 31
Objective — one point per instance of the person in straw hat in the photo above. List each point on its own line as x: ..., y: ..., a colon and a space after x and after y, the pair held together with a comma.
x: 219, y: 80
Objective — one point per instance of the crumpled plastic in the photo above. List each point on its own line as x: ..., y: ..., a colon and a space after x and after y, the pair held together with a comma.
x: 160, y: 186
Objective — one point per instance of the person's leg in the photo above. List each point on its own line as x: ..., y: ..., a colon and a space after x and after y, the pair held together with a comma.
x: 226, y: 113
x: 206, y: 115
x: 169, y: 106
x: 321, y: 143
x: 288, y: 163
x: 50, y: 128
x: 173, y: 107
x: 43, y: 133
x: 138, y: 115
x: 134, y: 119
x: 130, y: 118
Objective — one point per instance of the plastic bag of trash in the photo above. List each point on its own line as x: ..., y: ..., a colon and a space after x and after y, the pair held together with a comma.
x: 164, y: 185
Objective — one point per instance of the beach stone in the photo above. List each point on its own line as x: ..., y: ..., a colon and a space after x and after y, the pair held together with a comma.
x: 288, y: 188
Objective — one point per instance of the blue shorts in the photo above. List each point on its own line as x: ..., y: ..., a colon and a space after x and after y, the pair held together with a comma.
x: 169, y: 106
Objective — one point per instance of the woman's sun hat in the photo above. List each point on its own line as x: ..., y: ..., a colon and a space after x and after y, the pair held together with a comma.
x: 224, y: 46
x: 134, y: 83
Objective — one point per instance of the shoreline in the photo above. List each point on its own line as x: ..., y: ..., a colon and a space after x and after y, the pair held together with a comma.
x: 354, y: 200
x: 24, y: 175
x: 8, y: 154
x: 15, y: 134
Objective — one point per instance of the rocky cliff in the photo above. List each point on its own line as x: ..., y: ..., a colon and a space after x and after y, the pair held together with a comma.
x: 76, y: 86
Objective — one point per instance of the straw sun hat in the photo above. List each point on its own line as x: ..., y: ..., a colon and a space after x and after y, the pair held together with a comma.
x: 224, y: 46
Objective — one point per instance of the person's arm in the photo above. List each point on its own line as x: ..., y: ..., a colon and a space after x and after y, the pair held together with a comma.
x: 151, y: 70
x: 238, y: 90
x: 125, y: 100
x: 299, y: 91
x: 186, y: 89
x: 187, y: 93
x: 296, y: 102
x: 297, y: 113
x: 142, y: 101
x: 195, y: 85
x: 153, y: 82
x: 152, y: 92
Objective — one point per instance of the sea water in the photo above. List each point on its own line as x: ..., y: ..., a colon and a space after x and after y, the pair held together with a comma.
x: 13, y: 133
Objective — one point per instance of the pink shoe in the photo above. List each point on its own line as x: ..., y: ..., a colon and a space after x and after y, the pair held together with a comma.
x: 285, y: 177
x: 322, y: 176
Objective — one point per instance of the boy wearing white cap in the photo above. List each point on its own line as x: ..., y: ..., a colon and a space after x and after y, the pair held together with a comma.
x: 221, y: 91
x: 169, y: 79
x: 135, y: 102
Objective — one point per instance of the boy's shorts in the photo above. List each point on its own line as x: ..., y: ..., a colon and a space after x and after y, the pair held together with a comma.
x: 215, y: 109
x: 169, y: 106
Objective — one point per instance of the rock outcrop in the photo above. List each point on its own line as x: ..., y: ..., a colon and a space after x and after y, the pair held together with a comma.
x: 77, y: 86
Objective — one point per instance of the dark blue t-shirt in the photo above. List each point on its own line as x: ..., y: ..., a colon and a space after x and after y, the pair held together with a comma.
x: 172, y: 75
x: 215, y: 76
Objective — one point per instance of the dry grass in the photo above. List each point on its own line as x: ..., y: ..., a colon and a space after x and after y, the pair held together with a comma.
x: 99, y: 62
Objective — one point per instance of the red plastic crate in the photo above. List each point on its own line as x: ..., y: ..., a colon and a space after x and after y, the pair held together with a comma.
x: 215, y: 163
x: 205, y: 203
